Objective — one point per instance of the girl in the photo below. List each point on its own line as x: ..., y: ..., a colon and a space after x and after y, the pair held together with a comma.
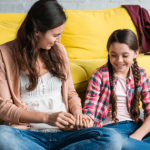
x: 37, y: 96
x: 113, y: 92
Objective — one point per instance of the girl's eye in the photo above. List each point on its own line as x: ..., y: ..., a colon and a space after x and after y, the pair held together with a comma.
x: 113, y: 55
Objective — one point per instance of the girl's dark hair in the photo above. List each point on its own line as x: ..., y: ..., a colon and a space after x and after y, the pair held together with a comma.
x: 43, y: 16
x: 128, y: 37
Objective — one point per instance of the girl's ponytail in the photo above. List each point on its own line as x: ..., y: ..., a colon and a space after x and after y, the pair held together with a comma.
x: 113, y: 97
x: 135, y: 112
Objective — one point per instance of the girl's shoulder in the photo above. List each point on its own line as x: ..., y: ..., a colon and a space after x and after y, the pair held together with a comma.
x: 142, y: 70
x: 101, y: 71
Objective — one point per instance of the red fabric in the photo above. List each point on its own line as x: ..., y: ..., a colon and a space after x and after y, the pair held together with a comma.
x: 141, y: 19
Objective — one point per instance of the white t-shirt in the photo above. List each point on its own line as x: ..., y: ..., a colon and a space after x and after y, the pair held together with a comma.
x: 46, y: 97
x: 122, y: 112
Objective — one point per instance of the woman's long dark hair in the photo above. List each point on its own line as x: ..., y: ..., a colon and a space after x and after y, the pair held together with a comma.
x: 128, y: 37
x: 43, y: 16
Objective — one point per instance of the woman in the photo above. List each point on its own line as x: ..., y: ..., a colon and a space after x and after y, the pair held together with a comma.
x: 37, y: 96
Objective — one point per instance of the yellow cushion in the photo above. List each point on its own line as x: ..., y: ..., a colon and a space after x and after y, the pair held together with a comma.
x: 144, y: 62
x: 9, y: 24
x: 86, y: 32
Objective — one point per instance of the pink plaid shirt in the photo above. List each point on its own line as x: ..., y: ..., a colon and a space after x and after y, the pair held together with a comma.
x: 98, y: 94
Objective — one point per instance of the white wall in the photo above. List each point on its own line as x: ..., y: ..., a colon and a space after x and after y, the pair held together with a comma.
x: 22, y: 6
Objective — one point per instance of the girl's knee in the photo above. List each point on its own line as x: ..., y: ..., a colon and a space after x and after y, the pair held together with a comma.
x: 115, y: 139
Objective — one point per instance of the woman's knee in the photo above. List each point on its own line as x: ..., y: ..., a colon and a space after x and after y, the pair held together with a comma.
x: 7, y: 136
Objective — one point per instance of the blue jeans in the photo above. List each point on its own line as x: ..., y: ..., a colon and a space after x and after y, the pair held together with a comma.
x: 85, y: 139
x: 125, y: 129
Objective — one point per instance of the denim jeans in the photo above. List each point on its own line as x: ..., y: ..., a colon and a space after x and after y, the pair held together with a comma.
x: 125, y: 129
x: 85, y: 139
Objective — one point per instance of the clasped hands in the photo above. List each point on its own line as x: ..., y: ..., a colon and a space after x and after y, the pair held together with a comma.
x: 67, y: 121
x: 81, y: 121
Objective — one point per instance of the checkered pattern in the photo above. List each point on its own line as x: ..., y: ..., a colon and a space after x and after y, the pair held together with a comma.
x: 98, y: 94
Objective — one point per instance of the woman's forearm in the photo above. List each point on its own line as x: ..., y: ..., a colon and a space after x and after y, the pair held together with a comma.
x: 59, y: 119
x: 32, y: 117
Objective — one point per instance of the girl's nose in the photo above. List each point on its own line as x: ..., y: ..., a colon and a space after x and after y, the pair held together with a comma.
x: 120, y: 59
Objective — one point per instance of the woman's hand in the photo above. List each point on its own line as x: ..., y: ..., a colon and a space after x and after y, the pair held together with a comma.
x: 60, y: 119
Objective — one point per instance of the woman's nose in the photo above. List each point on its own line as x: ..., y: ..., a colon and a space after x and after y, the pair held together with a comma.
x: 58, y: 39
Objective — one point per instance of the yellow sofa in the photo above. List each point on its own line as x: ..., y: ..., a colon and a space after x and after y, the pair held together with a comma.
x: 85, y: 37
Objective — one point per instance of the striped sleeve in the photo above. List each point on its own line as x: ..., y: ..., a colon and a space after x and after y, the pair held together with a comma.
x: 145, y: 93
x: 92, y: 94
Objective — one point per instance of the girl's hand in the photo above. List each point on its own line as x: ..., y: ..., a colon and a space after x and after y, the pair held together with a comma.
x: 89, y: 120
x: 135, y: 137
x: 82, y: 121
x: 60, y: 119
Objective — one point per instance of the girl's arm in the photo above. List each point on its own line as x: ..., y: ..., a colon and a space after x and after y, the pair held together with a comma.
x: 143, y: 130
x: 92, y: 94
x: 145, y: 97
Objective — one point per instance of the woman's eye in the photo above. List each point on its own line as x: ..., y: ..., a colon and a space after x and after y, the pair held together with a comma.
x: 57, y: 35
x: 125, y: 56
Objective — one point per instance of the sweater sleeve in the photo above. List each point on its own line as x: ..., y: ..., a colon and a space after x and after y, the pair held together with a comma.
x: 73, y: 98
x: 9, y: 112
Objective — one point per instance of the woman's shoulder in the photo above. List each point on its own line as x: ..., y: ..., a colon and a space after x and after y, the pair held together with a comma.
x: 7, y: 48
x: 62, y: 50
x: 61, y: 47
x: 7, y: 53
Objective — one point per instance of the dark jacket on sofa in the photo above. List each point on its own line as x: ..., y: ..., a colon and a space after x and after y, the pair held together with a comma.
x: 141, y: 19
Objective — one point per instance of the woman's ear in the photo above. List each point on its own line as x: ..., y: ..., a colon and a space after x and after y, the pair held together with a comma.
x: 36, y: 32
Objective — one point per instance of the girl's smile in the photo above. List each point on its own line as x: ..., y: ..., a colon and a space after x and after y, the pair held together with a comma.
x: 120, y: 65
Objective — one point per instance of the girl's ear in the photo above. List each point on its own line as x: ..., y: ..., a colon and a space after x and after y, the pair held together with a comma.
x: 136, y: 53
x: 36, y: 32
